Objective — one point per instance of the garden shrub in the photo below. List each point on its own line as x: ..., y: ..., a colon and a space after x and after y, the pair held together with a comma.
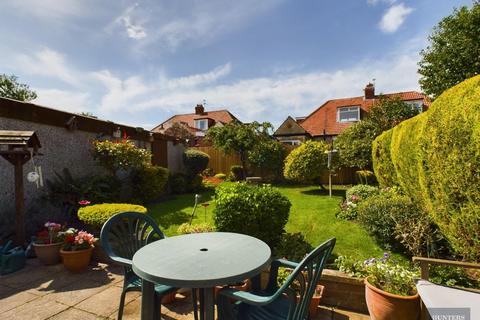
x: 443, y: 148
x: 195, y: 161
x: 149, y: 182
x: 268, y: 156
x: 195, y: 183
x: 186, y: 228
x: 293, y: 246
x: 396, y: 222
x: 208, y: 172
x: 355, y: 195
x: 124, y: 155
x: 259, y: 211
x: 178, y: 183
x: 236, y: 173
x: 307, y: 162
x: 97, y: 214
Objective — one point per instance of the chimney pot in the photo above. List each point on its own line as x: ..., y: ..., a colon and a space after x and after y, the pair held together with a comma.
x: 199, y: 109
x: 369, y: 91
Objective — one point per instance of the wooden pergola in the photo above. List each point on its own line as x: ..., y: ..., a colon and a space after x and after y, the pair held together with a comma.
x: 18, y: 147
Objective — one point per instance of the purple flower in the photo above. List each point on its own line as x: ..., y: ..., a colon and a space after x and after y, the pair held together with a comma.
x: 386, y: 255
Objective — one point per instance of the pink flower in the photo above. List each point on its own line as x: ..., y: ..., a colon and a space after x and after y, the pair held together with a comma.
x: 84, y: 202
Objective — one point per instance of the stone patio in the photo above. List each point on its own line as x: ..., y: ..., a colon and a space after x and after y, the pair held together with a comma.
x: 40, y: 292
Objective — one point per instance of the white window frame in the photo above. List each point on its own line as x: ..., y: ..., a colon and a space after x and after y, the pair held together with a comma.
x: 198, y: 124
x: 292, y: 142
x: 348, y: 109
x: 417, y: 104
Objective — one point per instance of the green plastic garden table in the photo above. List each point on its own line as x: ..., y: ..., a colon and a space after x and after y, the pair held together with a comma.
x: 201, y: 260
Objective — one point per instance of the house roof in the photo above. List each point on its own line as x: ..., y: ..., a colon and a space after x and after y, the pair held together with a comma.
x: 223, y: 116
x: 290, y: 127
x: 323, y: 121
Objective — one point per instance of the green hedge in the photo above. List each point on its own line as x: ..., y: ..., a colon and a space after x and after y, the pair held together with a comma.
x: 195, y: 161
x: 259, y: 211
x: 436, y: 159
x: 97, y: 214
x: 149, y: 182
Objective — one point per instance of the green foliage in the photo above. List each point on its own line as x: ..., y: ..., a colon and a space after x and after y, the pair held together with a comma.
x: 259, y: 211
x: 195, y: 161
x: 354, y: 196
x: 65, y: 191
x: 307, y: 162
x: 453, y: 52
x: 293, y: 246
x: 436, y: 162
x: 452, y: 276
x: 382, y: 160
x: 208, y: 172
x: 120, y: 155
x: 221, y: 176
x: 238, y: 138
x: 10, y: 88
x: 268, y: 156
x: 97, y: 214
x: 195, y: 183
x: 180, y: 131
x: 236, y: 173
x: 365, y: 176
x: 187, y: 228
x: 355, y: 143
x: 178, y: 183
x: 149, y: 182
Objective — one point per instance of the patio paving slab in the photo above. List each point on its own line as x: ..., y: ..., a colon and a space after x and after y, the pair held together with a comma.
x: 40, y: 292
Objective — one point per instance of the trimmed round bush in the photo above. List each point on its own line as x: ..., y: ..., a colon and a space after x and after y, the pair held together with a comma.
x: 436, y: 160
x: 195, y: 183
x: 259, y: 211
x: 195, y: 161
x: 149, y: 182
x: 307, y: 162
x: 97, y: 214
x: 382, y: 160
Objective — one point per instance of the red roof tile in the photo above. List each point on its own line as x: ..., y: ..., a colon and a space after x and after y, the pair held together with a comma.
x: 324, y: 119
x: 223, y: 116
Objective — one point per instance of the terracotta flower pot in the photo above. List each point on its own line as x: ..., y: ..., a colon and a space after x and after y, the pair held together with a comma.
x: 169, y: 298
x: 383, y: 305
x: 48, y: 253
x: 76, y: 261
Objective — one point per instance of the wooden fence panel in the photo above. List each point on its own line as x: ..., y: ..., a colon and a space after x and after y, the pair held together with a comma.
x: 160, y: 152
x: 219, y: 161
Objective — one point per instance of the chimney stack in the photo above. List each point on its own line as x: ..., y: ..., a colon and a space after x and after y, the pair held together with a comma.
x: 199, y: 109
x: 369, y: 91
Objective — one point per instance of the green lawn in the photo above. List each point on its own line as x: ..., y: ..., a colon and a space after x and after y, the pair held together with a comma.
x: 312, y: 213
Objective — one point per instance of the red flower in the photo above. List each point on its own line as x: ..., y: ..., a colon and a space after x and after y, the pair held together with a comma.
x: 84, y: 202
x: 70, y: 238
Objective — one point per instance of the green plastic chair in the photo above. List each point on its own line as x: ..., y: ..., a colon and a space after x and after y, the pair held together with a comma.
x: 278, y: 303
x: 121, y: 236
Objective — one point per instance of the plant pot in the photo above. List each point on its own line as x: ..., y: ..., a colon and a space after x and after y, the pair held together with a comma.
x: 48, y: 254
x: 383, y: 305
x: 76, y: 261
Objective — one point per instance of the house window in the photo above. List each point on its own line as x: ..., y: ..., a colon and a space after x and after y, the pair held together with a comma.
x: 347, y: 114
x: 417, y: 104
x: 201, y: 124
x: 292, y: 142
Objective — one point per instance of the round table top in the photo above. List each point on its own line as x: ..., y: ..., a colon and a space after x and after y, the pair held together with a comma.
x: 202, y: 260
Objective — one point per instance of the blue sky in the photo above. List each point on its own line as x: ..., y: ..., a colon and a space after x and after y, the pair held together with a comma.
x: 141, y: 62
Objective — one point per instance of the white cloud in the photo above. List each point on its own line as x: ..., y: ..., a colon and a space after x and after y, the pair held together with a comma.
x: 265, y: 99
x: 134, y: 30
x: 46, y: 9
x: 64, y: 99
x: 394, y: 17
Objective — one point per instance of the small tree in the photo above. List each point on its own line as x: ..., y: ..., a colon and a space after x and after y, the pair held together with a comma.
x: 11, y: 88
x: 180, y: 131
x: 307, y: 162
x: 268, y: 155
x: 355, y: 143
x: 453, y: 54
x: 238, y: 138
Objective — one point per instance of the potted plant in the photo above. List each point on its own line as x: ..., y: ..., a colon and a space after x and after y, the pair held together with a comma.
x: 390, y: 292
x: 284, y: 273
x: 48, y: 242
x: 77, y: 250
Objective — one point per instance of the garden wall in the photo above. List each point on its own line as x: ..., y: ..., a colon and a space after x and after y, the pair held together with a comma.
x: 65, y: 140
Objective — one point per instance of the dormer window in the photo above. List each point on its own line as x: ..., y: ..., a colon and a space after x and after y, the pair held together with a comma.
x: 348, y: 114
x: 201, y: 124
x: 416, y: 104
